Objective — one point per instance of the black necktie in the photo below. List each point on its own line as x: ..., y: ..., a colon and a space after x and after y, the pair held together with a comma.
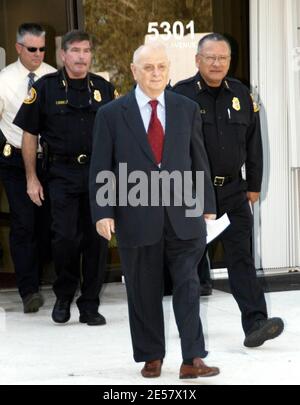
x: 31, y: 76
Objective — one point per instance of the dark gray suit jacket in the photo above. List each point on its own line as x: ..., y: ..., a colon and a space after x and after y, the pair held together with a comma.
x: 120, y: 137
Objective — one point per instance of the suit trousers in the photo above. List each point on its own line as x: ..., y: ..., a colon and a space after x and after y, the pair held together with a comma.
x: 143, y: 268
x: 80, y: 254
x: 244, y: 285
x: 29, y: 225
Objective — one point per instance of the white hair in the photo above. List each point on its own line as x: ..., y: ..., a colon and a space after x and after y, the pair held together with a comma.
x: 155, y: 46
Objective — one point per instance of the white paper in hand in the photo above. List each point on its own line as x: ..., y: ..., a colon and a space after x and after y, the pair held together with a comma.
x: 215, y: 228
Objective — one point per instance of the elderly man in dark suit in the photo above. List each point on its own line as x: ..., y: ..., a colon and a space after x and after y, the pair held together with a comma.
x: 154, y: 131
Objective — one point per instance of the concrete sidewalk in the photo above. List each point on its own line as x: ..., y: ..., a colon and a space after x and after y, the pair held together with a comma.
x: 34, y: 351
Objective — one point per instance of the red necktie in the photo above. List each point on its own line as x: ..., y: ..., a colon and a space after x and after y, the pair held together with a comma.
x: 155, y: 133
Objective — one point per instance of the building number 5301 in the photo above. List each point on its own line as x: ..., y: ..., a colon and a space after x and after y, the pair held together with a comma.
x: 176, y: 30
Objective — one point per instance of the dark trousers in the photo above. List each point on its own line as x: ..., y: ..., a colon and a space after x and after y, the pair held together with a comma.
x: 79, y: 253
x: 29, y: 225
x: 244, y: 285
x: 143, y: 268
x: 204, y: 270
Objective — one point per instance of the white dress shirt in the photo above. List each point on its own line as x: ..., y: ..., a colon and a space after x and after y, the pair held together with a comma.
x: 13, y: 90
x: 146, y: 110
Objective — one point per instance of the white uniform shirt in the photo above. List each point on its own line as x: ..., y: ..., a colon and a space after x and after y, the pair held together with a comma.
x: 13, y: 90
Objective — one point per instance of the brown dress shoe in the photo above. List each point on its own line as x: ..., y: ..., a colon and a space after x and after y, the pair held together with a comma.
x: 198, y: 369
x: 152, y: 369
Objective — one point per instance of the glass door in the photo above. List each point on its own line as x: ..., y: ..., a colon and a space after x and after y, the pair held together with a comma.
x: 120, y: 26
x: 57, y: 17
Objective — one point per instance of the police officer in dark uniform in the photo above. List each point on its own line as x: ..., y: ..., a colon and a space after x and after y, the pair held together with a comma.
x: 232, y: 136
x: 61, y: 108
x: 29, y: 238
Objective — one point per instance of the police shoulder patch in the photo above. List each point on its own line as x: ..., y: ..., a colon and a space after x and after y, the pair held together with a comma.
x: 256, y: 106
x: 30, y: 99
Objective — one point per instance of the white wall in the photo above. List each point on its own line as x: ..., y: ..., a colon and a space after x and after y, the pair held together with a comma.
x: 272, y: 32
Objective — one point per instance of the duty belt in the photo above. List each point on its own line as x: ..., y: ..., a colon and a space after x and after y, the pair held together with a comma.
x: 81, y: 159
x: 9, y: 150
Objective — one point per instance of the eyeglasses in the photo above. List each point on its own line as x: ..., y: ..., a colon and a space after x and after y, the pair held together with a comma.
x: 32, y: 49
x: 210, y: 60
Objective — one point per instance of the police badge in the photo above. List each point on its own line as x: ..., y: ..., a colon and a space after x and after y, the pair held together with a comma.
x: 7, y: 150
x: 236, y: 105
x: 97, y: 96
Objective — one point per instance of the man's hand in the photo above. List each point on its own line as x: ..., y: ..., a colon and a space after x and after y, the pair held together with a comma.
x: 105, y: 227
x: 35, y: 191
x: 253, y: 197
x: 212, y: 217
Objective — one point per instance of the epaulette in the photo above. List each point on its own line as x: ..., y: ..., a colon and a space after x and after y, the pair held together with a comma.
x: 95, y: 76
x: 53, y: 74
x: 233, y: 80
x: 235, y: 84
x: 185, y: 81
x: 41, y: 81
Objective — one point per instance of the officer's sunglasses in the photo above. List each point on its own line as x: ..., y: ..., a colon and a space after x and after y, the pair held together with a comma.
x: 32, y: 49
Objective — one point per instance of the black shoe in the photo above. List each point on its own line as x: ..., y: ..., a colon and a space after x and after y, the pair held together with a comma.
x: 32, y: 303
x: 205, y: 290
x: 61, y: 311
x: 265, y: 329
x: 92, y: 318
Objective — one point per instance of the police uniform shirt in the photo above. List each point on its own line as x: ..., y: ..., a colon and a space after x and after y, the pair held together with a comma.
x: 63, y: 110
x: 231, y: 128
x: 13, y: 90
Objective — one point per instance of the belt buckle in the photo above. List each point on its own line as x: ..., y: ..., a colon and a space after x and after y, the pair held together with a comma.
x: 82, y: 159
x: 219, y: 181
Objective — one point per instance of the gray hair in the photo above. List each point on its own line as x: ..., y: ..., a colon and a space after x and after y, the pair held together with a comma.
x: 212, y: 37
x: 31, y: 29
x: 152, y: 45
x: 74, y: 36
